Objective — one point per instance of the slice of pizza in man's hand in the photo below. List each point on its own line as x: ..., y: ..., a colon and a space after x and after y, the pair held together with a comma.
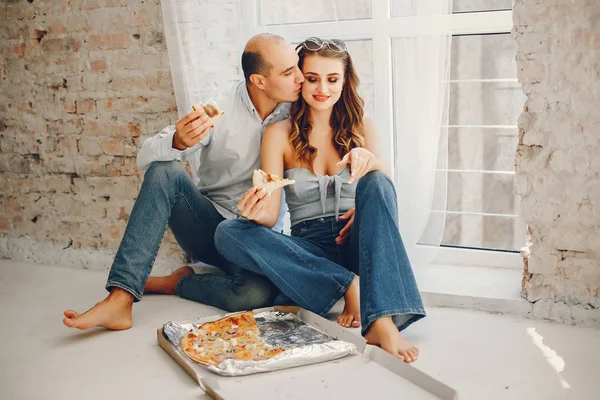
x: 211, y: 109
x: 269, y: 182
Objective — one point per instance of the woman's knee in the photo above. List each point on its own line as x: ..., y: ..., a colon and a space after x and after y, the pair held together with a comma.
x: 375, y: 190
x: 227, y: 231
x: 374, y: 179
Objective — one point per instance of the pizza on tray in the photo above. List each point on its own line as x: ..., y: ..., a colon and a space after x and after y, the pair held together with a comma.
x: 233, y: 337
x: 269, y: 182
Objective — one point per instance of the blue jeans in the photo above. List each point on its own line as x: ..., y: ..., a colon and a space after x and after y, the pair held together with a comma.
x: 168, y: 196
x: 314, y: 272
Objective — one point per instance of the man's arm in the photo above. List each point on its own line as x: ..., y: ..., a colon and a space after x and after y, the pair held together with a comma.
x: 177, y: 142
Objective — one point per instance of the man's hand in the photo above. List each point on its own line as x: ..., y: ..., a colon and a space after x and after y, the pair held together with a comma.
x: 252, y: 203
x: 344, y: 234
x: 191, y: 129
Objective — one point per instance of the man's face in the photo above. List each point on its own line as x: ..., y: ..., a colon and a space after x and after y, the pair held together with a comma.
x: 284, y: 82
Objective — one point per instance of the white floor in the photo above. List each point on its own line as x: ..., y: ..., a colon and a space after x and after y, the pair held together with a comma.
x: 483, y: 356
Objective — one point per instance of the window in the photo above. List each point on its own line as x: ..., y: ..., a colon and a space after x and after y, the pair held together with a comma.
x: 485, y: 97
x: 485, y: 102
x: 277, y: 12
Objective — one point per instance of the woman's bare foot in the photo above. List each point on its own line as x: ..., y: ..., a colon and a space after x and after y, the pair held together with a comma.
x: 383, y: 332
x: 350, y: 317
x: 113, y: 313
x: 166, y: 284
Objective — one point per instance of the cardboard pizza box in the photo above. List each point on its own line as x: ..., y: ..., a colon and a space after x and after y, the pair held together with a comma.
x: 372, y: 373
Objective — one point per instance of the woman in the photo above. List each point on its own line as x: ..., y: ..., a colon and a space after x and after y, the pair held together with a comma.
x: 330, y: 151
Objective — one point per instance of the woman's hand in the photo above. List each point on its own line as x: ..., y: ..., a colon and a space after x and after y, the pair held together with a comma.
x: 253, y: 203
x: 361, y: 161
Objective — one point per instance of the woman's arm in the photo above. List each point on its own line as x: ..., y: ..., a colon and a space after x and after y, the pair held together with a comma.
x: 274, y: 143
x: 372, y: 144
x: 363, y: 160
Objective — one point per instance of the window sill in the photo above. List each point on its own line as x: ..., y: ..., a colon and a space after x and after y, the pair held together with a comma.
x: 491, y: 289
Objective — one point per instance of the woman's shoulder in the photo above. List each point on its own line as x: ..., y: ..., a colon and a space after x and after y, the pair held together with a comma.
x: 368, y: 127
x: 280, y: 126
x: 279, y: 130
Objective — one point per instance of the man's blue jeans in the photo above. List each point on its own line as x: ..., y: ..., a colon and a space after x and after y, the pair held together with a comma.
x: 168, y: 196
x: 314, y: 272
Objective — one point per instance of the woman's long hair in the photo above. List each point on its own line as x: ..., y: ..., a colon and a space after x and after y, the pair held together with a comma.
x: 346, y: 117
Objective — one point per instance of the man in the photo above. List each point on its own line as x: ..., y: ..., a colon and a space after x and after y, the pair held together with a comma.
x: 229, y: 154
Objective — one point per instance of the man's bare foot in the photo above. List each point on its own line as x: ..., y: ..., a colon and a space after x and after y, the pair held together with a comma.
x: 350, y: 317
x: 114, y: 313
x: 384, y: 333
x: 166, y: 284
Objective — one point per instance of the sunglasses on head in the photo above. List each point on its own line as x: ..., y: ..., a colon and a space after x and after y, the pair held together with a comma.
x: 316, y: 44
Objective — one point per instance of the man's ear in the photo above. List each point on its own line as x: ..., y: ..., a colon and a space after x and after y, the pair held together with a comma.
x: 258, y: 80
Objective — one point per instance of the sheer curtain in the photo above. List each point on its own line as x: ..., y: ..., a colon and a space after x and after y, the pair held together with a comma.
x: 421, y: 91
x: 204, y: 44
x: 205, y: 39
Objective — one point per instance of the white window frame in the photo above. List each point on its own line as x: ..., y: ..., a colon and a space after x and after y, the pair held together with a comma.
x: 381, y: 29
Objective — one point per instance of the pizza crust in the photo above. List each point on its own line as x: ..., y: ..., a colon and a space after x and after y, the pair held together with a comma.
x: 269, y: 182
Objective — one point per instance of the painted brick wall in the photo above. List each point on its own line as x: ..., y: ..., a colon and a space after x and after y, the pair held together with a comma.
x: 81, y: 82
x: 558, y: 160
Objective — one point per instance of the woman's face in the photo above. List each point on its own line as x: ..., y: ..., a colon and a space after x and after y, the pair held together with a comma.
x: 324, y: 80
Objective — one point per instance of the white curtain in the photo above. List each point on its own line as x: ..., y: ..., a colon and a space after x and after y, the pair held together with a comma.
x: 205, y: 39
x: 421, y: 91
x: 180, y: 49
x: 205, y: 43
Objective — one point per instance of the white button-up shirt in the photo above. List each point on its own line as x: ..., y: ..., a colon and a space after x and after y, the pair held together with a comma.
x: 223, y: 162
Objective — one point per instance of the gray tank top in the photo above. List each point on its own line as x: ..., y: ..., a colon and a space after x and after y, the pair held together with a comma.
x: 315, y: 196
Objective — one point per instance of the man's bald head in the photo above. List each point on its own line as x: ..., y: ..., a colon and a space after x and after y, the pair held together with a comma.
x: 254, y: 60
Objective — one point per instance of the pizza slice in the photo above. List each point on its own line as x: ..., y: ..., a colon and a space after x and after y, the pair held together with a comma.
x: 233, y: 337
x: 269, y: 182
x: 211, y: 109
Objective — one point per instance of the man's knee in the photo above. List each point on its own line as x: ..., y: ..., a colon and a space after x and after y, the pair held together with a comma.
x: 254, y: 294
x: 164, y: 172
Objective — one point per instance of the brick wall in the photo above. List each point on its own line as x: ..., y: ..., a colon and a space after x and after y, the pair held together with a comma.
x: 558, y: 160
x: 81, y: 81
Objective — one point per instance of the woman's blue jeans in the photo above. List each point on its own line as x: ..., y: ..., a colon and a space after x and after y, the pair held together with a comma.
x: 314, y: 272
x: 169, y: 197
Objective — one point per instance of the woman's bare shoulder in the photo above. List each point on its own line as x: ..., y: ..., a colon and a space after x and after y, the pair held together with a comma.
x: 369, y: 128
x: 278, y: 132
x: 280, y: 128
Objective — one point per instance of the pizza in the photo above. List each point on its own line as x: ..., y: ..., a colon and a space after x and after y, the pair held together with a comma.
x: 269, y: 182
x: 234, y: 337
x: 211, y: 109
